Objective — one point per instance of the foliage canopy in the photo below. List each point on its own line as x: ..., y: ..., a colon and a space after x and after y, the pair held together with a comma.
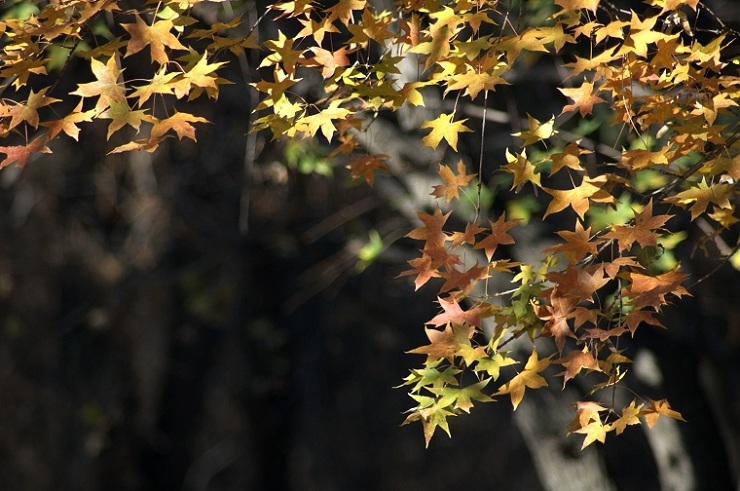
x: 661, y: 75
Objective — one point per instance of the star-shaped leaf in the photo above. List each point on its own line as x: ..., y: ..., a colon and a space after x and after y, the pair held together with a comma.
x: 158, y: 37
x: 528, y: 378
x: 443, y: 127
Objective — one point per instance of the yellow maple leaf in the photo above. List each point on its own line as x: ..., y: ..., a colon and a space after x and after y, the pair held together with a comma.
x: 443, y: 127
x: 324, y: 120
x: 537, y: 131
x: 522, y: 169
x: 121, y: 115
x: 527, y: 378
x: 106, y: 87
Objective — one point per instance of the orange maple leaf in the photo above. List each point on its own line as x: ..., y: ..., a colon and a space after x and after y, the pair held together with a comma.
x: 431, y: 232
x: 498, y: 236
x: 577, y: 243
x: 21, y: 153
x: 451, y: 188
x: 656, y: 409
x: 630, y: 416
x: 453, y: 313
x: 522, y: 169
x: 158, y: 36
x: 28, y: 111
x: 463, y: 280
x: 425, y: 268
x: 583, y: 98
x: 651, y: 290
x: 578, y: 198
x: 68, y: 124
x: 445, y: 344
x: 641, y: 232
x: 179, y: 122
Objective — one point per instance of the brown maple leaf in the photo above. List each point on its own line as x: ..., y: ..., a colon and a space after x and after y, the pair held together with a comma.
x: 575, y: 361
x: 498, y: 236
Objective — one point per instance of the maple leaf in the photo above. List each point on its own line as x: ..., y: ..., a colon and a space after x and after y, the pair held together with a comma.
x: 522, y: 169
x: 702, y: 195
x: 583, y: 98
x: 68, y: 124
x: 324, y: 120
x: 328, y: 60
x: 537, y: 131
x: 575, y: 361
x: 200, y: 75
x: 462, y: 398
x: 493, y: 365
x: 637, y: 317
x: 651, y: 290
x: 568, y: 158
x: 158, y: 36
x: 453, y: 313
x: 630, y: 416
x: 474, y: 82
x: 161, y: 83
x: 556, y: 317
x: 586, y: 412
x: 463, y: 280
x: 656, y: 409
x: 275, y: 90
x: 28, y: 111
x: 432, y: 231
x: 579, y: 283
x: 425, y: 268
x: 316, y: 28
x: 443, y: 127
x: 342, y: 10
x: 179, y: 122
x: 497, y: 236
x: 367, y: 165
x: 21, y: 153
x: 451, y: 188
x: 574, y: 5
x: 588, y: 422
x: 584, y: 64
x: 282, y: 52
x: 106, y: 87
x: 122, y: 115
x: 467, y: 237
x: 528, y: 378
x: 578, y: 197
x: 641, y: 232
x: 445, y: 344
x: 577, y: 243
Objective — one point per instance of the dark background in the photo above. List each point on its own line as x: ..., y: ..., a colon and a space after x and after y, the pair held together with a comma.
x: 148, y: 341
